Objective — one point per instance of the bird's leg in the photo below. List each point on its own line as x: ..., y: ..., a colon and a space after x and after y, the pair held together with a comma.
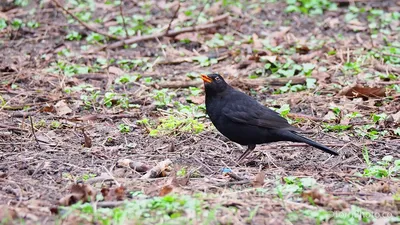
x: 250, y: 148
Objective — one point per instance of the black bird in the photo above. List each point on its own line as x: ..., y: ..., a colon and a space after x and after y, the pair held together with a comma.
x: 245, y: 121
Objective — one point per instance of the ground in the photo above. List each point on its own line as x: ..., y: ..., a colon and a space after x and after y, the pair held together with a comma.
x: 103, y: 117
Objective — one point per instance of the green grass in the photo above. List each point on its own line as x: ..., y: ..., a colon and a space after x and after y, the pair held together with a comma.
x: 170, y: 209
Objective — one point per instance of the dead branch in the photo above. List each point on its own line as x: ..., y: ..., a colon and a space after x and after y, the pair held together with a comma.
x: 307, y: 117
x: 123, y: 19
x: 234, y: 176
x: 11, y: 128
x: 109, y: 204
x: 179, y: 84
x: 172, y: 19
x: 236, y: 82
x: 157, y: 170
x: 87, y: 26
x: 387, y: 68
x: 33, y: 133
x: 159, y: 35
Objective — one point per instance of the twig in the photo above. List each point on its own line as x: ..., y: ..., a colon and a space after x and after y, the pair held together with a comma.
x: 307, y: 117
x: 234, y: 176
x: 110, y: 204
x: 159, y: 168
x: 87, y: 26
x: 123, y: 19
x: 239, y: 82
x: 99, y: 179
x: 110, y: 174
x: 233, y: 183
x: 159, y: 35
x: 173, y: 17
x: 33, y: 132
x: 10, y: 128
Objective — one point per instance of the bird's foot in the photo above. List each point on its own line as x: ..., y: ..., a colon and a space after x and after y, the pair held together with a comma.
x: 246, y: 153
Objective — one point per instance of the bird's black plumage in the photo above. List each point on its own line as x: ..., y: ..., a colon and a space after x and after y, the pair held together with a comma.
x: 243, y: 120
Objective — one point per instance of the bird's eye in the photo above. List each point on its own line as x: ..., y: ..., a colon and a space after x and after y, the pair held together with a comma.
x: 217, y: 79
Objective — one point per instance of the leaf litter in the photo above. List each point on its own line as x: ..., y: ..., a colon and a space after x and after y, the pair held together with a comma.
x: 93, y: 113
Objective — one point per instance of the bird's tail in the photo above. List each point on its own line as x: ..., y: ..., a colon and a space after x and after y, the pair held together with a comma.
x: 297, y: 138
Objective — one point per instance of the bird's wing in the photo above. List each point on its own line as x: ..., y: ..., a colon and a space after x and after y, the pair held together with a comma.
x: 255, y: 114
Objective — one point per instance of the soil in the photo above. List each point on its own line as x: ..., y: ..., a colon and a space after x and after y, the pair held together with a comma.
x: 39, y: 164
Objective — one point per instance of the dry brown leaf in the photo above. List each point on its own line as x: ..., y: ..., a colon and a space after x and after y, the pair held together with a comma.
x: 87, y: 140
x: 159, y: 170
x: 166, y: 190
x: 356, y: 25
x: 115, y: 70
x: 319, y: 197
x: 383, y: 187
x: 322, y: 77
x: 113, y: 194
x: 396, y: 117
x: 7, y: 213
x: 306, y: 58
x: 62, y: 108
x: 259, y: 179
x: 256, y: 42
x: 197, y: 99
x: 359, y: 91
x: 137, y: 166
x: 48, y: 108
x: 174, y: 183
x: 85, y: 118
x: 78, y: 192
x: 303, y: 49
x: 193, y: 37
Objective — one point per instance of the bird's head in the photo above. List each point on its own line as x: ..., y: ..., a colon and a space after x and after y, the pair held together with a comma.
x: 214, y: 83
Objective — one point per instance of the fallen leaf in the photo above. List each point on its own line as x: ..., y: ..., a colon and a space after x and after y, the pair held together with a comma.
x: 115, y: 70
x: 87, y: 139
x: 166, y: 190
x: 197, y: 99
x: 113, y: 194
x: 259, y: 179
x: 62, y: 108
x: 257, y: 44
x: 383, y: 187
x: 193, y: 37
x: 7, y: 213
x: 319, y: 197
x: 159, y: 170
x: 303, y: 49
x: 356, y: 25
x: 78, y: 192
x: 85, y: 118
x: 322, y: 77
x: 48, y: 108
x: 396, y: 117
x: 307, y: 57
x: 359, y: 91
x: 135, y: 165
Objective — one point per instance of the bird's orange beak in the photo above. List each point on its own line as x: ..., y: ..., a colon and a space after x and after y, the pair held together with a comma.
x: 205, y: 78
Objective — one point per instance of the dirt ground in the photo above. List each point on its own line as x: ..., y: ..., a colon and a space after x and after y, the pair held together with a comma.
x: 59, y: 126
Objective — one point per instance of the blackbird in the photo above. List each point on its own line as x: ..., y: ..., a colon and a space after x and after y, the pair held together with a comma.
x: 245, y: 121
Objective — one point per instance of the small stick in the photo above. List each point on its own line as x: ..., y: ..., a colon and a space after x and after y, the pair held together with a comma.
x: 173, y: 17
x: 158, y: 35
x: 87, y: 26
x: 123, y: 19
x: 33, y: 132
x: 11, y: 128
